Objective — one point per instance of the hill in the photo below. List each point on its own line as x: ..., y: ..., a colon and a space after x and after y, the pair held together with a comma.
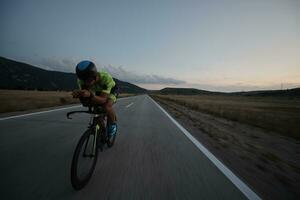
x: 22, y: 76
x: 185, y: 91
x: 295, y: 92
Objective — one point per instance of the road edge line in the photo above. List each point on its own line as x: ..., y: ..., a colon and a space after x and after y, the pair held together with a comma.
x: 47, y: 111
x: 36, y: 113
x: 250, y: 194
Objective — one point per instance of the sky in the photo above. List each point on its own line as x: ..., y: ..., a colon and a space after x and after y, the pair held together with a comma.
x: 219, y: 45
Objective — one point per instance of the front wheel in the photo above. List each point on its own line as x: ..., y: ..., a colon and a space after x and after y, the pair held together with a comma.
x: 84, y: 160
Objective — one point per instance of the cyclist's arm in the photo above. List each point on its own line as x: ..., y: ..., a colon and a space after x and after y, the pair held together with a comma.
x: 100, y: 99
x: 76, y: 93
x: 84, y: 100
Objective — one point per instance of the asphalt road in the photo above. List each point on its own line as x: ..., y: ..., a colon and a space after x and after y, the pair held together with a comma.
x: 151, y: 159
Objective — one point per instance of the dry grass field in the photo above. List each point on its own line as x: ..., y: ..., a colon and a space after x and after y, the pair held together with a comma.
x: 281, y: 115
x: 21, y: 100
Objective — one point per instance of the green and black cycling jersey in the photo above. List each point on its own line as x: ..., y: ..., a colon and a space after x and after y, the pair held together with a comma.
x: 106, y: 84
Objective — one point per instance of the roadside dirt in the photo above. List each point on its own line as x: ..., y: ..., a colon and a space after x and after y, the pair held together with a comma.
x: 268, y: 162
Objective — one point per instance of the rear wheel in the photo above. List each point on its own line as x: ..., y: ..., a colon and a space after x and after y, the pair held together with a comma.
x: 84, y: 160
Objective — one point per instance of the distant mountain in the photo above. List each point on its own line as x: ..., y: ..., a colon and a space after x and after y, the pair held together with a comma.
x: 185, y: 91
x: 17, y: 75
x: 126, y: 87
x: 295, y: 92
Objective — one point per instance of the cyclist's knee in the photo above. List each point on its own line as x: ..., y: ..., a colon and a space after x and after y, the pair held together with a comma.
x: 108, y: 106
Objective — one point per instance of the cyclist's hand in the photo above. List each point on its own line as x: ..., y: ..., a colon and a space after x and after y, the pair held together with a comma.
x: 76, y: 93
x: 85, y: 93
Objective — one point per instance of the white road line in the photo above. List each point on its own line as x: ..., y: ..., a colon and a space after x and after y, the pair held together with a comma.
x: 122, y: 98
x: 129, y: 105
x: 36, y: 113
x: 47, y: 111
x: 227, y: 172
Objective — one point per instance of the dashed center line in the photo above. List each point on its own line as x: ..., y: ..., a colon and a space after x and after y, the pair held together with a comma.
x: 129, y: 105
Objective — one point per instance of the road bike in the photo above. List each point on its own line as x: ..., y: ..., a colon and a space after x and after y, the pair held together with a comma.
x: 95, y: 138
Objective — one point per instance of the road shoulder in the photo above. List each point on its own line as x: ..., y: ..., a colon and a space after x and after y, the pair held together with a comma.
x: 246, y: 150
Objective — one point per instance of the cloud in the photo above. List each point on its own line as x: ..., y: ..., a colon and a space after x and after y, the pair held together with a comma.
x: 68, y: 65
x: 122, y: 74
x: 52, y: 63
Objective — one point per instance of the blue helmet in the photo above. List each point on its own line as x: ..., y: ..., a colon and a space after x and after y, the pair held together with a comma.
x: 86, y: 70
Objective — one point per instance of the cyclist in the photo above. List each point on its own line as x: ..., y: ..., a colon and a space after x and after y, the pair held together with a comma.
x: 97, y: 88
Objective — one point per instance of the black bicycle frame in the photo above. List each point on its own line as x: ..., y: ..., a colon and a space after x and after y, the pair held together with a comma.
x: 92, y: 125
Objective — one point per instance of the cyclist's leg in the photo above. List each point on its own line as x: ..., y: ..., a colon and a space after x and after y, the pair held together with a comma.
x: 110, y: 111
x: 112, y: 119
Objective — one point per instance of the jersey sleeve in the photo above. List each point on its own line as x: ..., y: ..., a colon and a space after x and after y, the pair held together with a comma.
x: 109, y: 82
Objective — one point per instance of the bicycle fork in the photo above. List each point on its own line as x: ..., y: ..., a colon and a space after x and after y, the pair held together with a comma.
x: 94, y: 147
x: 97, y: 128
